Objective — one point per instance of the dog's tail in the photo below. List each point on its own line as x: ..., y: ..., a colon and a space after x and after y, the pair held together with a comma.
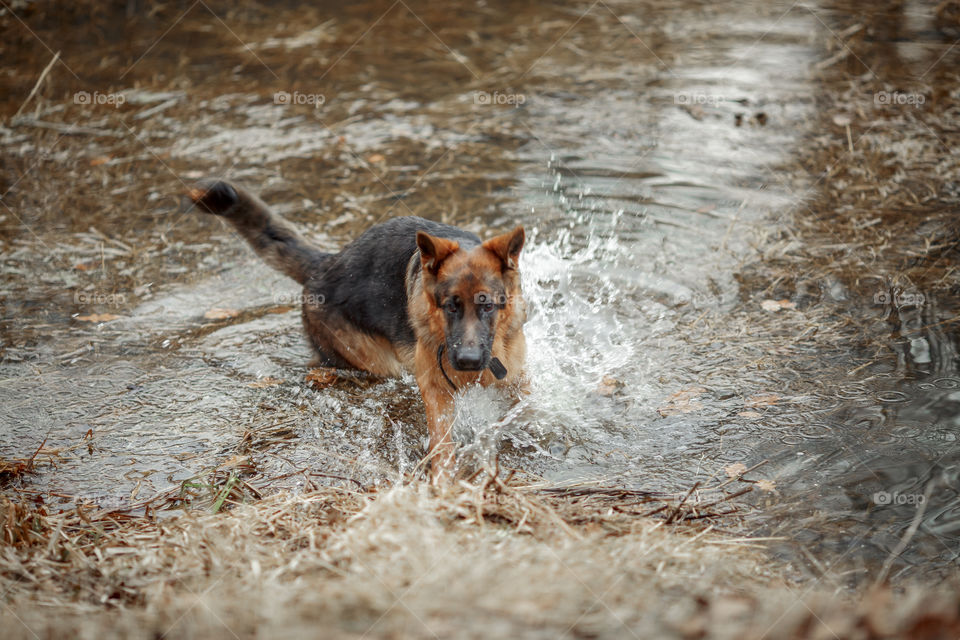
x: 273, y: 238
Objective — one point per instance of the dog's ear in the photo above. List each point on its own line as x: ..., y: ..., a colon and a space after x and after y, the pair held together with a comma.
x: 434, y: 250
x: 507, y: 247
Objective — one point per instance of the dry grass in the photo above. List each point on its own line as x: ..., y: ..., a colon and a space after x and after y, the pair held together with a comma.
x: 489, y: 559
x: 15, y: 469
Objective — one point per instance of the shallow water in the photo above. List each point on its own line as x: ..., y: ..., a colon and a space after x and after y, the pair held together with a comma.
x: 642, y: 147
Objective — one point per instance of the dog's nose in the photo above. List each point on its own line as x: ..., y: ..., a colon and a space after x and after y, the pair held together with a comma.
x: 468, y: 359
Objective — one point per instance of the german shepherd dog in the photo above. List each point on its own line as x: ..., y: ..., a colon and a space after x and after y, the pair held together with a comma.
x: 408, y: 295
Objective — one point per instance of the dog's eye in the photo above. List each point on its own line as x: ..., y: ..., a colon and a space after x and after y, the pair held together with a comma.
x: 488, y: 307
x: 452, y: 306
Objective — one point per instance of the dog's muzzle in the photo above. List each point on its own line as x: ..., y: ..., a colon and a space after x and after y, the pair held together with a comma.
x: 468, y: 359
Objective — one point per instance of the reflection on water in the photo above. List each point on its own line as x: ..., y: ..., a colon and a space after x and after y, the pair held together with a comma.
x: 646, y: 173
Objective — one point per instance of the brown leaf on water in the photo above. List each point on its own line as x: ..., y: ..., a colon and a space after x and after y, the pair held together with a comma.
x: 762, y: 400
x: 776, y: 305
x: 265, y: 382
x: 609, y: 386
x: 767, y: 485
x: 735, y: 470
x: 322, y: 378
x: 683, y: 401
x: 221, y: 314
x: 237, y: 462
x: 98, y: 317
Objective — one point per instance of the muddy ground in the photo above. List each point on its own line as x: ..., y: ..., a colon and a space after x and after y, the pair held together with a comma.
x: 741, y: 274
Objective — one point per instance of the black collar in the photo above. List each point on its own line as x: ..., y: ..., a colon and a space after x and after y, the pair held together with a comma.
x: 442, y: 370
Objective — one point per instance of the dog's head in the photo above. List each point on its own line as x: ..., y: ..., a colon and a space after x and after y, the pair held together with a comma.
x: 471, y: 290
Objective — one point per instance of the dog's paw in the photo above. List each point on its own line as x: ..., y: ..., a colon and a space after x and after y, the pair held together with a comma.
x: 214, y: 196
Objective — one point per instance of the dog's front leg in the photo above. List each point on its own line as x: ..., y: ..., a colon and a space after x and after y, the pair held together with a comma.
x: 439, y: 422
x: 438, y: 403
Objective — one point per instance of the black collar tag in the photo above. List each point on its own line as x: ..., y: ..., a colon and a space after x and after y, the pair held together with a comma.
x: 497, y: 369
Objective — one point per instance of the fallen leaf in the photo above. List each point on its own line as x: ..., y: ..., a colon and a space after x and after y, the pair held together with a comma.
x: 221, y: 314
x: 98, y: 317
x: 735, y: 470
x: 375, y: 157
x: 86, y: 266
x: 280, y: 308
x: 322, y: 378
x: 609, y: 386
x: 683, y: 401
x: 236, y: 461
x: 96, y: 162
x: 767, y: 485
x: 762, y: 400
x: 777, y: 305
x: 265, y: 382
x: 748, y: 414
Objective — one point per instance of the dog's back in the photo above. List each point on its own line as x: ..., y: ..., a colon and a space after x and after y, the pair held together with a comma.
x: 355, y: 301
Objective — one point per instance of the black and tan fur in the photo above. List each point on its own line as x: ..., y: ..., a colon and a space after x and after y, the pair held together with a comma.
x: 408, y: 294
